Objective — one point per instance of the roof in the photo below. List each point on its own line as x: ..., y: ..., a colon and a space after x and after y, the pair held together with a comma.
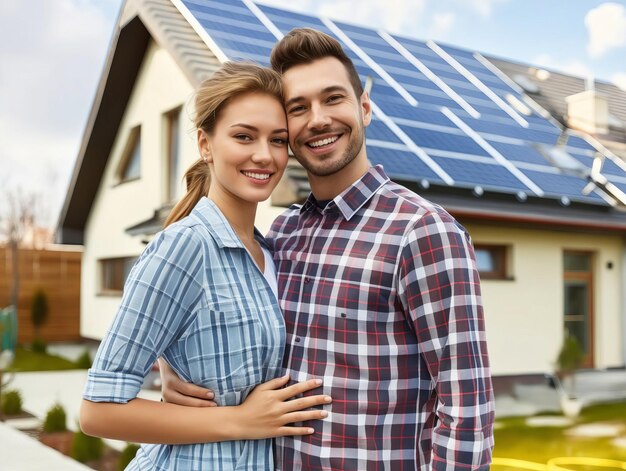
x: 443, y: 117
x: 554, y: 87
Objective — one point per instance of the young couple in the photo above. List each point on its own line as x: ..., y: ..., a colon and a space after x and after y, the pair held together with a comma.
x: 352, y: 335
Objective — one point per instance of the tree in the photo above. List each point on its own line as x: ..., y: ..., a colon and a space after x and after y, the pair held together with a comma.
x: 18, y: 215
x: 570, y: 356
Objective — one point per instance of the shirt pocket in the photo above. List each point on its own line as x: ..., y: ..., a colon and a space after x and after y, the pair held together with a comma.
x: 224, y: 348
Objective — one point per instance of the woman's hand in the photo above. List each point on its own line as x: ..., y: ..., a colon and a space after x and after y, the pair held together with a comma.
x: 177, y: 391
x: 269, y: 409
x: 266, y: 412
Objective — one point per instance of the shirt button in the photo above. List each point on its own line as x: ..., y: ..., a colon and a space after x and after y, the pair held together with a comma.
x: 298, y: 339
x: 307, y: 280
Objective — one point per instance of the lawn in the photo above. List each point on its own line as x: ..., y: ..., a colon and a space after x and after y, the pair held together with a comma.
x: 27, y: 360
x: 515, y: 439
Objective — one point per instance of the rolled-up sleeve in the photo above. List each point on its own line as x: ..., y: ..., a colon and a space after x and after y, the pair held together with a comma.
x: 160, y: 294
x: 439, y: 286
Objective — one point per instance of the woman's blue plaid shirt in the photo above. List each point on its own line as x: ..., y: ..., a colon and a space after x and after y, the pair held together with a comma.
x: 196, y: 298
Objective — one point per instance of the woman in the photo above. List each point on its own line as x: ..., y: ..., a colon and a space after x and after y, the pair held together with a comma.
x: 203, y: 296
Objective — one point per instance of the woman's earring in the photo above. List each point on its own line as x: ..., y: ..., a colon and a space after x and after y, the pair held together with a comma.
x: 205, y: 157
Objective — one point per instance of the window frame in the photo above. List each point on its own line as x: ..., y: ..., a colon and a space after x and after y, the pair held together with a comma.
x: 500, y: 254
x: 103, y: 265
x: 133, y: 140
x: 173, y: 175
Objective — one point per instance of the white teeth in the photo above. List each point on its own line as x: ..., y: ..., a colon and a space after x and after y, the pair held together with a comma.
x: 258, y: 176
x: 324, y: 142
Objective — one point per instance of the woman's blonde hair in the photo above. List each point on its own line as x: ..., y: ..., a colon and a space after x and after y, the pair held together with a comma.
x: 231, y: 80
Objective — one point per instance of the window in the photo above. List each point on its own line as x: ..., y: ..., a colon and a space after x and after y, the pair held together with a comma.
x: 578, y: 313
x: 491, y: 261
x: 172, y: 152
x: 130, y: 168
x: 113, y: 274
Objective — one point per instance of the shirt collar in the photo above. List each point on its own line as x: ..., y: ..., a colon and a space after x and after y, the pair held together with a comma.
x: 355, y: 196
x: 218, y: 226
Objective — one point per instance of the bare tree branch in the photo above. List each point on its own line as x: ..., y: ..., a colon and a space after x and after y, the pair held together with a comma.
x: 16, y: 218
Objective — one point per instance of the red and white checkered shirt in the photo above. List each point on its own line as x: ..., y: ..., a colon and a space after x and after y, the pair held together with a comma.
x: 381, y: 298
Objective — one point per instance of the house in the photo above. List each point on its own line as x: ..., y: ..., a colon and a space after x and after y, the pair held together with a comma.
x: 544, y: 204
x: 592, y: 106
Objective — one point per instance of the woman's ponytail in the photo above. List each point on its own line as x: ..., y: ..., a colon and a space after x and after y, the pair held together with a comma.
x: 198, y: 180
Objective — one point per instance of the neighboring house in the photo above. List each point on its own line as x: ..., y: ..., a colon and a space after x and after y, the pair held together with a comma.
x: 591, y: 106
x: 550, y: 243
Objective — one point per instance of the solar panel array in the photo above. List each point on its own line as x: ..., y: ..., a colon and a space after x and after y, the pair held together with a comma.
x: 442, y: 115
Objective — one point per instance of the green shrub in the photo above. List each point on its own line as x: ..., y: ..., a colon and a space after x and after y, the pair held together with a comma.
x: 86, y: 448
x: 39, y: 346
x: 84, y: 360
x: 39, y: 310
x: 55, y: 420
x: 11, y: 403
x: 570, y: 356
x: 127, y: 456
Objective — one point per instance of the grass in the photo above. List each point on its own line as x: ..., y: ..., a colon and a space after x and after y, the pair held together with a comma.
x: 514, y: 439
x: 27, y: 360
x: 604, y: 413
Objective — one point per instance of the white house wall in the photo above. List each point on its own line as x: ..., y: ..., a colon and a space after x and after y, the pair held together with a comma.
x: 524, y: 316
x: 160, y: 87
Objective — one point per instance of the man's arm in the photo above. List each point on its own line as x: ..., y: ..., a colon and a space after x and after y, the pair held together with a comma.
x: 177, y: 391
x: 440, y: 288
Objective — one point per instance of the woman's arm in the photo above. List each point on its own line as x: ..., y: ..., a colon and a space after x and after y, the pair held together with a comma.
x: 266, y: 413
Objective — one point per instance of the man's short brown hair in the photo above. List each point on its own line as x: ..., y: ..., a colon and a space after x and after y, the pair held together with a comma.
x: 305, y: 45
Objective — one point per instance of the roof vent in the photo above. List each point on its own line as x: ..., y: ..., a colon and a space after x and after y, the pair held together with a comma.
x: 542, y: 74
x: 527, y: 85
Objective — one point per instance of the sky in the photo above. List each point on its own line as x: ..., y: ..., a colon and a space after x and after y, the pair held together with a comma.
x: 52, y: 54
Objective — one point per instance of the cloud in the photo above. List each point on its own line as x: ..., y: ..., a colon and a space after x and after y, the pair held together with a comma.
x: 441, y: 24
x: 619, y: 79
x: 393, y: 15
x: 572, y: 67
x: 484, y: 7
x: 606, y: 25
x: 52, y: 57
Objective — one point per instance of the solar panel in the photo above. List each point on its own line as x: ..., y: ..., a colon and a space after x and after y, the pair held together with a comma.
x: 444, y: 141
x: 610, y: 168
x: 379, y: 131
x: 488, y: 176
x: 441, y: 113
x: 559, y: 184
x: 401, y: 164
x: 233, y: 28
x: 520, y: 153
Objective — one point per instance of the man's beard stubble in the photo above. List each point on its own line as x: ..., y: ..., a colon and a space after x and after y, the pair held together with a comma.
x: 355, y: 145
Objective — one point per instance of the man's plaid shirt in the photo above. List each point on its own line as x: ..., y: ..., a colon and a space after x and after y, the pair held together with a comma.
x: 381, y: 298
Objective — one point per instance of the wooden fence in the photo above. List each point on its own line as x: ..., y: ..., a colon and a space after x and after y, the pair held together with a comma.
x: 56, y: 271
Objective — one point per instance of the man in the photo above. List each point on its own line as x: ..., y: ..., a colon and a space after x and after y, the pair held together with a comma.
x: 379, y: 289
